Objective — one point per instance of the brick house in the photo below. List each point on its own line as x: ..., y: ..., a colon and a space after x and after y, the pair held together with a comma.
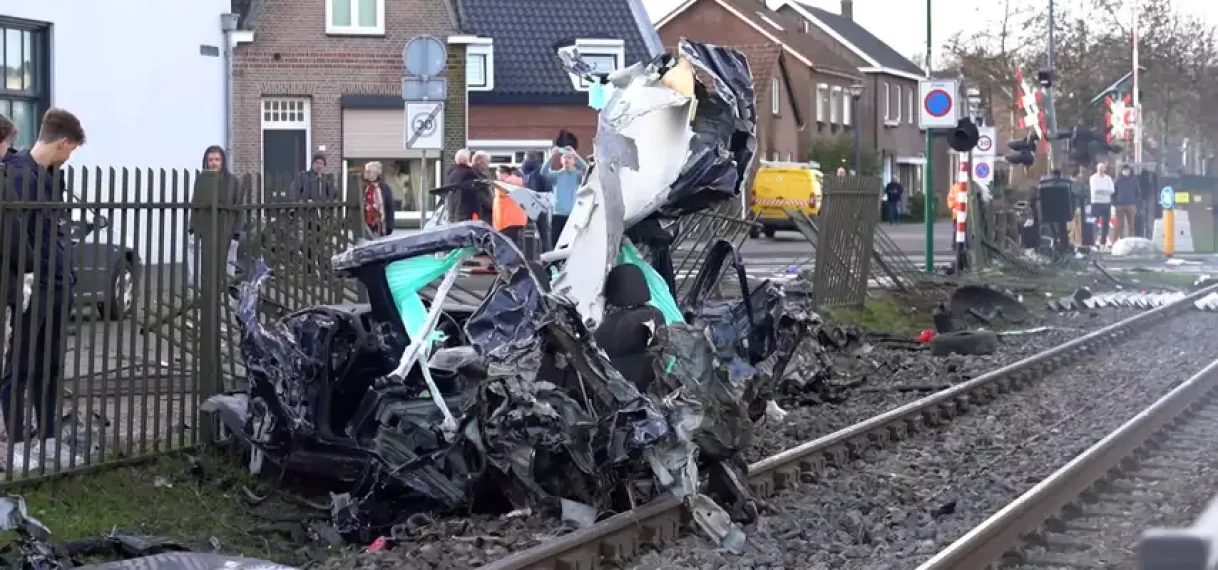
x: 520, y: 97
x: 805, y: 64
x: 780, y: 117
x: 326, y: 77
x: 889, y: 104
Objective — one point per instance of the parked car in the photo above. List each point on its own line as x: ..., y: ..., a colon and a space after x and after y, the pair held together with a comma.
x: 107, y: 274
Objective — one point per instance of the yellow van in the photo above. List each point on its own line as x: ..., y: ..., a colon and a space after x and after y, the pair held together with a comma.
x: 781, y: 185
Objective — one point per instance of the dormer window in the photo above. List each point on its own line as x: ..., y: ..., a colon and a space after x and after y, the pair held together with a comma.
x: 480, y: 65
x: 602, y: 55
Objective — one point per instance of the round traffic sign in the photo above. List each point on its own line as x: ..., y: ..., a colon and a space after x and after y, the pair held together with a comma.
x: 938, y: 103
x: 425, y: 56
x: 1167, y: 197
x: 984, y: 143
x: 982, y: 170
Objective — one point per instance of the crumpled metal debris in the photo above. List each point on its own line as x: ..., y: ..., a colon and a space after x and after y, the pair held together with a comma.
x: 638, y: 179
x: 430, y: 406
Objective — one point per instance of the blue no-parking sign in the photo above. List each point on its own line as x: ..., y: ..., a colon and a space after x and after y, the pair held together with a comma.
x: 1167, y: 198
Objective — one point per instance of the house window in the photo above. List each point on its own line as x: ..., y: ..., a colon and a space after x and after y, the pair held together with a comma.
x: 775, y: 96
x: 887, y: 103
x: 835, y: 102
x: 25, y: 92
x: 822, y: 103
x: 480, y: 66
x: 909, y: 117
x: 602, y: 55
x: 355, y: 17
x: 806, y: 27
x: 896, y: 117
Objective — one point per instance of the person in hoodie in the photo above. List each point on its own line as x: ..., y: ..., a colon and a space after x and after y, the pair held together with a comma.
x: 1125, y: 201
x: 34, y: 357
x: 565, y: 182
x: 530, y: 172
x: 223, y: 189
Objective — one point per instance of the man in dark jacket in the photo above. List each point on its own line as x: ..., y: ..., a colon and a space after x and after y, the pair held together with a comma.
x: 35, y: 353
x: 1125, y: 201
x: 892, y: 200
x: 313, y: 185
x: 530, y: 171
x: 472, y: 198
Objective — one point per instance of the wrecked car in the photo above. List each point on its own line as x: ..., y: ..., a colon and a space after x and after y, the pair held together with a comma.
x: 513, y: 404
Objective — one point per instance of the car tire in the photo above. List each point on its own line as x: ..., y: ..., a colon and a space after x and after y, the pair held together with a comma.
x: 968, y: 343
x: 120, y: 295
x: 755, y: 231
x: 769, y: 232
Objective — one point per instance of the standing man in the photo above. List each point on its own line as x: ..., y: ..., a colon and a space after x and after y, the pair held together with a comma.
x: 35, y: 353
x: 313, y: 185
x: 565, y: 182
x: 892, y: 200
x: 469, y: 193
x: 1102, y: 189
x: 1125, y: 200
x: 530, y: 171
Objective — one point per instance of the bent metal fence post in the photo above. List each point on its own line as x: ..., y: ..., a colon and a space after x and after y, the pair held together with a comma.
x: 844, y: 247
x: 147, y: 328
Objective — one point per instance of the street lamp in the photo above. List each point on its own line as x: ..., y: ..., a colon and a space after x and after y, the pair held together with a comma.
x: 856, y: 93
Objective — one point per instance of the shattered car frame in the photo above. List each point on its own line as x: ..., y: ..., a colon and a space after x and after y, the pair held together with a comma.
x: 426, y: 405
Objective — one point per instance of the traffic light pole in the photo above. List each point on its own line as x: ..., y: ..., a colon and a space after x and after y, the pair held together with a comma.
x: 1050, y: 93
x: 928, y: 171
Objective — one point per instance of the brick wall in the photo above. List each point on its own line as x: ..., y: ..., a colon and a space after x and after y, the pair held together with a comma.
x: 291, y: 55
x: 533, y: 122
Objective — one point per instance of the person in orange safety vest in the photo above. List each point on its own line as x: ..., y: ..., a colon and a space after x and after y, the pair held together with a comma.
x: 510, y: 219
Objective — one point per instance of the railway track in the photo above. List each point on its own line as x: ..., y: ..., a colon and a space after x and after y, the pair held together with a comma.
x: 621, y: 538
x: 1090, y: 512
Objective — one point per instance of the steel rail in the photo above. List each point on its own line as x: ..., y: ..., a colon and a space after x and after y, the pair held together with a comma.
x: 987, y: 542
x: 621, y: 537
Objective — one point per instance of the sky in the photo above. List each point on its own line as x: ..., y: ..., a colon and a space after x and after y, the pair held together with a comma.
x: 902, y: 23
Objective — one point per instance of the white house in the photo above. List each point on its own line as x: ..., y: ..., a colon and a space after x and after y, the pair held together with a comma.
x: 147, y: 78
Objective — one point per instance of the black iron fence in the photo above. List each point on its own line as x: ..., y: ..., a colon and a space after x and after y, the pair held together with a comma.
x: 119, y: 296
x: 844, y: 245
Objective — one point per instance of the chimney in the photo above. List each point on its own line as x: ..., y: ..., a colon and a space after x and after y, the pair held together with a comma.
x: 848, y: 9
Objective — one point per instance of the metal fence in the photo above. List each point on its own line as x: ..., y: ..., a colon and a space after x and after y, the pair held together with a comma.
x: 120, y: 296
x: 844, y: 246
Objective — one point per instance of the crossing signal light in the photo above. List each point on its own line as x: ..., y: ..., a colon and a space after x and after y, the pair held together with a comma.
x: 1087, y: 144
x: 964, y: 137
x: 1025, y: 151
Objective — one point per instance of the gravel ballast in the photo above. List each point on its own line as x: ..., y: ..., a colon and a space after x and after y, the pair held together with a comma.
x: 895, y: 508
x: 1170, y: 487
x: 879, y: 381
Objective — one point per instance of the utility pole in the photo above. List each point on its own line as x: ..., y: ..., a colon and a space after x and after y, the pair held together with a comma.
x: 928, y: 171
x: 1137, y: 93
x: 1050, y: 92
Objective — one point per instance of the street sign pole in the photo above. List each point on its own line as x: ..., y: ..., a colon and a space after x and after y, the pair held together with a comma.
x: 928, y: 172
x: 424, y: 59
